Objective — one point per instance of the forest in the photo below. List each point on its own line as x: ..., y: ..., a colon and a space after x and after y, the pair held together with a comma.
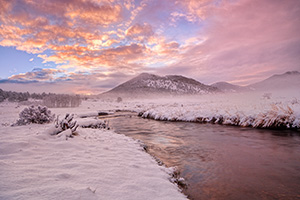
x: 50, y: 100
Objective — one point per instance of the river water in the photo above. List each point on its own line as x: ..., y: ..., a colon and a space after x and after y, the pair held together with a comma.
x: 222, y: 162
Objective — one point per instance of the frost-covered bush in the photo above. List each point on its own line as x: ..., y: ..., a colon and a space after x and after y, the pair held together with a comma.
x: 64, y: 128
x: 66, y: 123
x: 35, y: 114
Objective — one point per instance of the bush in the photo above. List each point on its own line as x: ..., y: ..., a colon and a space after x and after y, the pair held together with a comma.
x: 65, y: 128
x: 66, y: 123
x: 36, y: 115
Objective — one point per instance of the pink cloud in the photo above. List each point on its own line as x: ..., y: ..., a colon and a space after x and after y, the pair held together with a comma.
x: 245, y: 37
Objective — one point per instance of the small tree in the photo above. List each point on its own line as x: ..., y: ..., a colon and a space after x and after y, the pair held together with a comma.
x: 35, y: 114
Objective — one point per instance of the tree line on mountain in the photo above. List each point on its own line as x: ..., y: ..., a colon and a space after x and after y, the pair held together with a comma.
x: 50, y: 100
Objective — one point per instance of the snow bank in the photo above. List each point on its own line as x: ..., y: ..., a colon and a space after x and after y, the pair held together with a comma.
x: 275, y: 117
x: 246, y: 111
x: 96, y: 164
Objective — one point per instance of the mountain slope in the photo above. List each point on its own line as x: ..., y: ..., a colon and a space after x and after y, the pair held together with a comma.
x: 150, y: 84
x: 227, y: 87
x: 288, y: 80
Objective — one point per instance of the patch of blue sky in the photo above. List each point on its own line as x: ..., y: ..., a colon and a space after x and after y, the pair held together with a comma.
x: 13, y: 61
x: 157, y: 65
x: 59, y: 75
x: 183, y: 30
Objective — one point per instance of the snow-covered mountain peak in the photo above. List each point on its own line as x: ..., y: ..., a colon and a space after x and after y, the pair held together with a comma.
x: 153, y: 84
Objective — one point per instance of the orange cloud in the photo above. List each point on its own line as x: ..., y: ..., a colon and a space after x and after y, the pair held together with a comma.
x: 36, y: 24
x: 80, y: 35
x: 139, y: 32
x: 94, y: 14
x: 196, y: 9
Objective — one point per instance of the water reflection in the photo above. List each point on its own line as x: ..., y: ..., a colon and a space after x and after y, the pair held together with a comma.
x: 222, y: 162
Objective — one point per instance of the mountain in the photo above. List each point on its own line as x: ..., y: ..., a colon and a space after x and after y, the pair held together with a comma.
x: 149, y: 84
x: 227, y: 87
x: 288, y: 80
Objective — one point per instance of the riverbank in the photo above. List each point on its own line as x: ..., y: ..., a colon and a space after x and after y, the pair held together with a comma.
x: 280, y: 111
x: 221, y: 162
x: 96, y: 164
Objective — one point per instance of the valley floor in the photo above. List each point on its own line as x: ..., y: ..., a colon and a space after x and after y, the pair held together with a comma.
x: 100, y: 164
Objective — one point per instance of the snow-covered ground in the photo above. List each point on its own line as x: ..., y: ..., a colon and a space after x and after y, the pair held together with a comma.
x: 280, y: 109
x: 100, y: 164
x: 96, y: 164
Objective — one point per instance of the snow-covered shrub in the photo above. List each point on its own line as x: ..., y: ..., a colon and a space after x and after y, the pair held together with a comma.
x: 35, y: 114
x: 64, y: 128
x: 66, y: 123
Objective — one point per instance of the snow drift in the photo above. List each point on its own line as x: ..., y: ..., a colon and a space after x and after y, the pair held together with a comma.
x: 95, y: 164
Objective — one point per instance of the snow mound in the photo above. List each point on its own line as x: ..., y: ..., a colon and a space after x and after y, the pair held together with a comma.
x: 96, y: 164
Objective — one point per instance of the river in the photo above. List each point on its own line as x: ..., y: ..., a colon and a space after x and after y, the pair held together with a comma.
x: 221, y: 162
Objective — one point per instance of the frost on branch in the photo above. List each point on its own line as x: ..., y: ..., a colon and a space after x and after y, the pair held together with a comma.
x: 66, y: 123
x: 67, y: 126
x: 35, y: 114
x: 64, y: 128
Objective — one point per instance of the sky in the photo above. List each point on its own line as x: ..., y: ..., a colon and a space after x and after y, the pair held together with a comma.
x: 91, y: 46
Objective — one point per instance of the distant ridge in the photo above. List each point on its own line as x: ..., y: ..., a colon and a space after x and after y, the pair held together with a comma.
x: 288, y: 80
x: 228, y: 87
x: 149, y: 84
